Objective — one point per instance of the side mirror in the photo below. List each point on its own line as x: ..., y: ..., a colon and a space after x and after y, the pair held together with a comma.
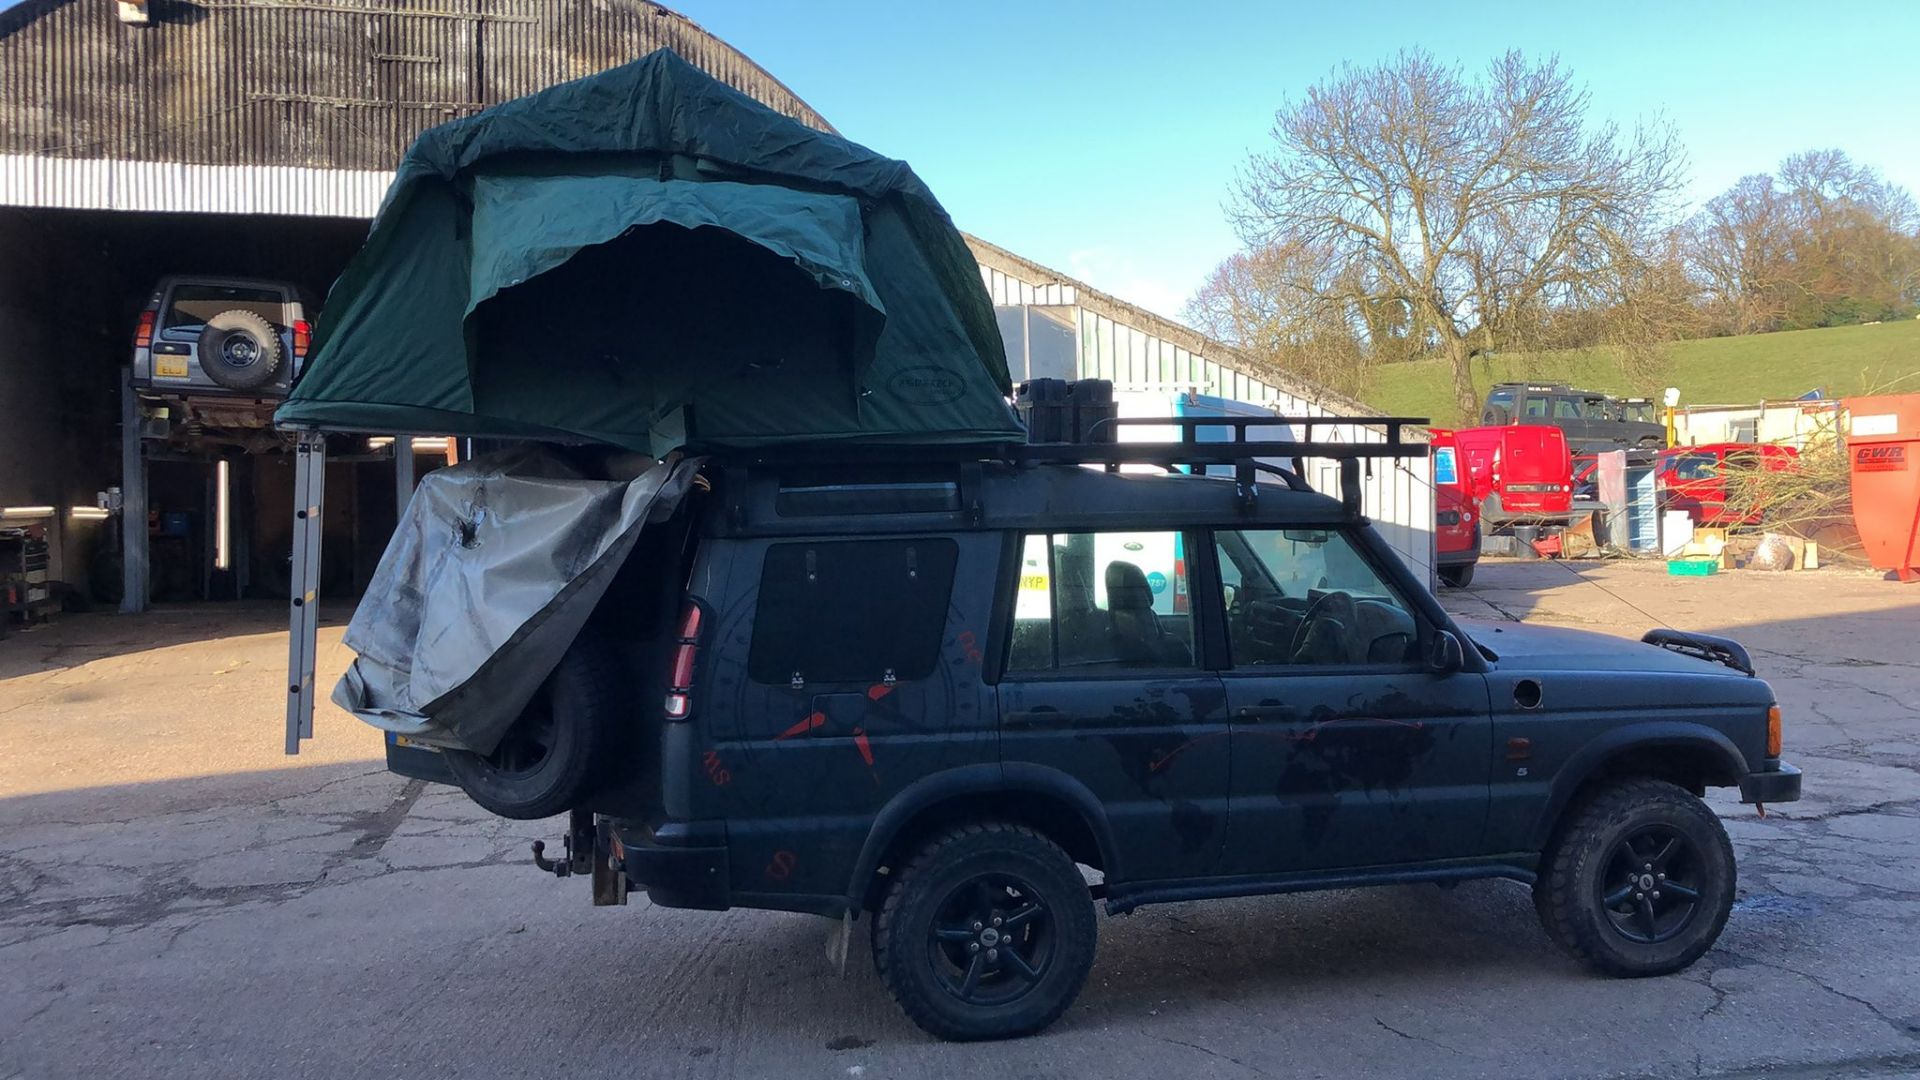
x: 1444, y: 656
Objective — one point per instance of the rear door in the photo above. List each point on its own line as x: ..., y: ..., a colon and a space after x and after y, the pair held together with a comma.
x: 1347, y: 751
x: 1103, y: 685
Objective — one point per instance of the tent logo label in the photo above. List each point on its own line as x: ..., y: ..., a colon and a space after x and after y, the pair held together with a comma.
x: 927, y: 384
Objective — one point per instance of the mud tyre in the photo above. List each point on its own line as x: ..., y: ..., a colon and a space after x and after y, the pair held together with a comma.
x: 988, y: 933
x: 1639, y: 882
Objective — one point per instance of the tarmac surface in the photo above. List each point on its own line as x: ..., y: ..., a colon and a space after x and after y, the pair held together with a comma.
x: 177, y: 899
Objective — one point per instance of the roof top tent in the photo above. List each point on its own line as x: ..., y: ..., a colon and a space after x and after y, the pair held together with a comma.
x: 532, y: 275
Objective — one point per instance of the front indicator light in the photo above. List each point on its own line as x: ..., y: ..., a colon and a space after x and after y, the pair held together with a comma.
x: 1773, y: 731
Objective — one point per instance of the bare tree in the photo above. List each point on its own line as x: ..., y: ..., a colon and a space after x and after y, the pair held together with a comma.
x: 1478, y: 205
x: 1270, y: 302
x: 1826, y: 242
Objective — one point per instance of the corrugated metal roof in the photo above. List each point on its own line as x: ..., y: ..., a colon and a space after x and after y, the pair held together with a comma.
x: 299, y: 85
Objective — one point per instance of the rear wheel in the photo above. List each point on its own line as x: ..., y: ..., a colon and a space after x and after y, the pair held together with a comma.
x: 1458, y: 576
x: 546, y: 763
x: 1640, y: 882
x: 987, y: 934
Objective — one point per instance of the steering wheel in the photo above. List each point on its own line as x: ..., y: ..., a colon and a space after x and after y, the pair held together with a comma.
x: 1321, y: 613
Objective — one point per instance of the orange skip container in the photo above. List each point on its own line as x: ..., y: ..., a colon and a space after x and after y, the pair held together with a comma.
x: 1883, y: 443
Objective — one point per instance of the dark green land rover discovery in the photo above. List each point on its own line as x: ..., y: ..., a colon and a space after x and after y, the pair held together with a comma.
x: 966, y: 698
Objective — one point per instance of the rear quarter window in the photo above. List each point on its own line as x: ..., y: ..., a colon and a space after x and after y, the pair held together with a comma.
x: 851, y: 611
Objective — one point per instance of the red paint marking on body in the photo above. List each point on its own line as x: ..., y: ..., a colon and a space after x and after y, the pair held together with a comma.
x: 875, y: 693
x: 780, y: 867
x: 861, y: 744
x: 812, y: 721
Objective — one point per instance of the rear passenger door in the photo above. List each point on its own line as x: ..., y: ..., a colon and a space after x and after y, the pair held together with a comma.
x: 1347, y: 750
x: 1103, y: 684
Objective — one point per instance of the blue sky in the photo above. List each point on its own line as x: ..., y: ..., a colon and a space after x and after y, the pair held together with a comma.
x: 1100, y: 138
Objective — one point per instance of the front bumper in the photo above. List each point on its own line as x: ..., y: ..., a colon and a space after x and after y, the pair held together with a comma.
x: 1774, y: 785
x: 679, y: 864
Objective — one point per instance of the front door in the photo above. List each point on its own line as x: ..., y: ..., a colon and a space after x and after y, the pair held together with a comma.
x: 1103, y: 687
x: 1347, y: 751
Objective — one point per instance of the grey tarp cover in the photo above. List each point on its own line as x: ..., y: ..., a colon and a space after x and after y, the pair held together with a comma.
x: 648, y: 252
x: 488, y: 579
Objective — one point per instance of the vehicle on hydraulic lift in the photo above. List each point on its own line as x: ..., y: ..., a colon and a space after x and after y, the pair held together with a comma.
x: 219, y: 352
x: 965, y: 696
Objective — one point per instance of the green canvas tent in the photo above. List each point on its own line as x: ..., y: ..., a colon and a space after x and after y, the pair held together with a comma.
x: 647, y: 257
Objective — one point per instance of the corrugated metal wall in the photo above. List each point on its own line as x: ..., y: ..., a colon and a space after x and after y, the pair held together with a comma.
x: 318, y: 84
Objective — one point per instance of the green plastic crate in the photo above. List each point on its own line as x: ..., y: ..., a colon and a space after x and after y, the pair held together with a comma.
x: 1693, y: 567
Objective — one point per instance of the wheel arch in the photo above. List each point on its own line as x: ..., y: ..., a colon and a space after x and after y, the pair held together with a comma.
x: 1051, y: 802
x: 1693, y: 756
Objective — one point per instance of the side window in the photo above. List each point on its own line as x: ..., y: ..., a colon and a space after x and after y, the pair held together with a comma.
x: 1102, y: 601
x: 1307, y: 597
x: 1536, y: 406
x: 851, y: 610
x: 1566, y: 408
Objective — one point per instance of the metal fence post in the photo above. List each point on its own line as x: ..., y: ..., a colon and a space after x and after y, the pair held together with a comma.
x: 309, y: 496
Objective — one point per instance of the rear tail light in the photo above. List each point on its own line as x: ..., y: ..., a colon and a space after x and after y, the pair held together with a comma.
x: 1773, y: 731
x: 686, y: 649
x: 302, y: 337
x: 143, y: 330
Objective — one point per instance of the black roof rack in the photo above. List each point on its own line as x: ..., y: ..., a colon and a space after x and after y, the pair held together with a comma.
x: 1245, y: 454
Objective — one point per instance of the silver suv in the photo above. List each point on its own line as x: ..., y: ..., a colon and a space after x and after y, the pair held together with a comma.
x: 221, y: 338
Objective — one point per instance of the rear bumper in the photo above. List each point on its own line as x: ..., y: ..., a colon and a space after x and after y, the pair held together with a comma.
x: 679, y: 864
x: 417, y: 762
x: 1460, y: 556
x: 1775, y: 785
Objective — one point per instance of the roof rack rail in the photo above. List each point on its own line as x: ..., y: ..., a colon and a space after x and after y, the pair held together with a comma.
x: 1242, y: 453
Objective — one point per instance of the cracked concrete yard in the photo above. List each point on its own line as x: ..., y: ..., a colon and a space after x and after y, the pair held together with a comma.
x: 178, y: 899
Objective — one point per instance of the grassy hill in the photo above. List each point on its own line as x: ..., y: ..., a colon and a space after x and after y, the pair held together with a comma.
x: 1712, y: 371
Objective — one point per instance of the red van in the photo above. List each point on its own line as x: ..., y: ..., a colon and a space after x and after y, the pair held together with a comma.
x: 1518, y: 473
x: 1456, y: 516
x: 1694, y: 478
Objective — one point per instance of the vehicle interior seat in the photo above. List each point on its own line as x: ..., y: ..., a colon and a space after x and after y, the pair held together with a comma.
x: 1139, y: 639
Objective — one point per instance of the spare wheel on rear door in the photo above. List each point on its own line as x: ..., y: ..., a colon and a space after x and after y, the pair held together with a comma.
x: 240, y: 350
x: 547, y: 761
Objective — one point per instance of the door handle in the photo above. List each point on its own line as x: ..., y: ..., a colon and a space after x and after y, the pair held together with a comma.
x: 1027, y: 719
x: 1265, y: 712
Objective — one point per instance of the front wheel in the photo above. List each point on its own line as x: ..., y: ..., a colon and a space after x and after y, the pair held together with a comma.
x: 987, y: 934
x: 1640, y: 882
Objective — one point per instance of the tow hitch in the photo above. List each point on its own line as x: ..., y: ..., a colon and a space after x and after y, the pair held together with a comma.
x: 580, y: 842
x: 588, y: 850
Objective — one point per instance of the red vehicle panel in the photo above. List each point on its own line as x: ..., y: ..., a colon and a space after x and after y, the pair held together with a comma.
x: 1518, y: 473
x: 1694, y: 478
x: 1456, y: 513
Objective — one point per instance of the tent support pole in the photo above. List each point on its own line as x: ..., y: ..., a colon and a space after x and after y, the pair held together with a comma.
x: 309, y: 496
